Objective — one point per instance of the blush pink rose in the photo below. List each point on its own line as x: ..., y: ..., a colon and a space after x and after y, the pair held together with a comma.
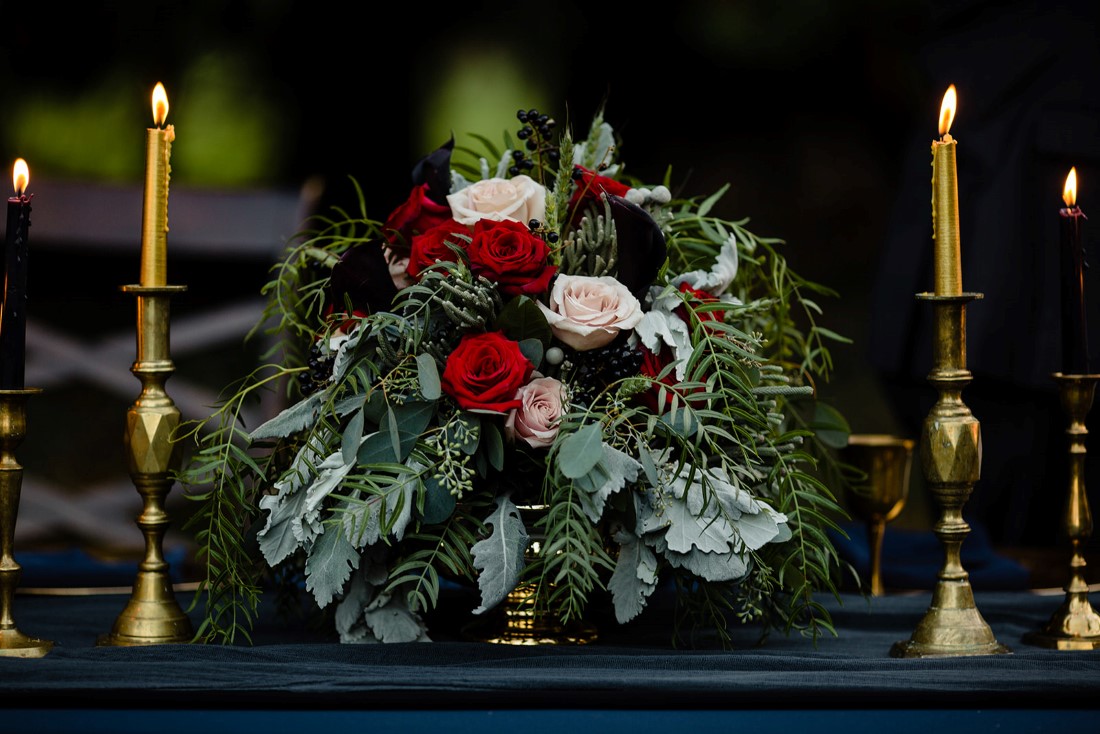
x: 538, y: 416
x: 588, y: 312
x: 519, y: 198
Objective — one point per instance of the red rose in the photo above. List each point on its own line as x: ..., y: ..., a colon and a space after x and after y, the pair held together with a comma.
x: 508, y: 254
x: 696, y: 296
x: 588, y: 188
x: 431, y: 246
x: 417, y: 215
x: 485, y: 372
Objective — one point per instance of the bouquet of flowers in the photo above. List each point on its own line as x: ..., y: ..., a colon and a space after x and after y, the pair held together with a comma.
x: 531, y: 328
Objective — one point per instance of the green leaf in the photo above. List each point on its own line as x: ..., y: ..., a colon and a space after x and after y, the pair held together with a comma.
x: 830, y: 426
x: 493, y: 445
x: 439, y: 504
x: 521, y: 318
x: 533, y: 350
x: 580, y: 451
x: 353, y: 436
x: 428, y: 374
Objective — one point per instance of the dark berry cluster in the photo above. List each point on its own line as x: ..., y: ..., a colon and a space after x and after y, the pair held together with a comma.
x: 320, y: 369
x: 539, y: 228
x: 592, y: 370
x: 537, y: 133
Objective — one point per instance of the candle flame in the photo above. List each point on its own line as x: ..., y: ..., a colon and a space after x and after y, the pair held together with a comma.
x: 20, y: 176
x: 160, y: 105
x: 947, y: 110
x: 1069, y: 193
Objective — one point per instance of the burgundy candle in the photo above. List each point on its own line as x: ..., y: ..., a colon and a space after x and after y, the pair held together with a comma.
x: 13, y: 314
x: 1075, y: 343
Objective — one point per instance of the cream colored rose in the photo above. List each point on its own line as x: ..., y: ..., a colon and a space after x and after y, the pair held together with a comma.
x: 519, y: 198
x: 537, y: 418
x: 588, y: 312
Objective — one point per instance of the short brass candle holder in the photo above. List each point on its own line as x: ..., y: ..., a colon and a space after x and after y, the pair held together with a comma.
x: 13, y: 429
x: 1075, y: 625
x: 152, y: 616
x: 951, y: 457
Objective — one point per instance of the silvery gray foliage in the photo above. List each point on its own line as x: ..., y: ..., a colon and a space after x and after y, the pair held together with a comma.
x: 634, y: 578
x: 499, y: 558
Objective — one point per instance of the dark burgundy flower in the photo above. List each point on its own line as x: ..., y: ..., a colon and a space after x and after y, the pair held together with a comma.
x: 642, y: 248
x: 362, y: 278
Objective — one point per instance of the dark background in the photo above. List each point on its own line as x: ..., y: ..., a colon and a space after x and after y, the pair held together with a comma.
x: 819, y: 114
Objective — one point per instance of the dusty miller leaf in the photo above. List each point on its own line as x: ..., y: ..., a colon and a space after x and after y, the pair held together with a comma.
x: 610, y: 474
x: 297, y: 417
x: 634, y: 578
x: 499, y: 558
x: 331, y: 561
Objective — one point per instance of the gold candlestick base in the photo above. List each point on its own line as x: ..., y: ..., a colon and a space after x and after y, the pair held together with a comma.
x: 1075, y: 625
x: 152, y: 616
x: 951, y: 457
x: 13, y: 429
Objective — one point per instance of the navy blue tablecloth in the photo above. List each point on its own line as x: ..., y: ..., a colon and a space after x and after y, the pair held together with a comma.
x: 630, y: 667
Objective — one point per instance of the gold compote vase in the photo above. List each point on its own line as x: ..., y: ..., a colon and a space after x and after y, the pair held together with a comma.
x: 522, y: 618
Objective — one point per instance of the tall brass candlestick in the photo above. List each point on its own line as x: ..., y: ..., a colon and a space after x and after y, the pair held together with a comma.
x: 152, y: 616
x: 13, y: 429
x: 1075, y: 625
x: 951, y: 457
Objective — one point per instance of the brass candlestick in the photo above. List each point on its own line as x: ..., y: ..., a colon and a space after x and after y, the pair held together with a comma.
x: 1075, y: 625
x: 152, y: 616
x: 13, y: 429
x: 951, y: 457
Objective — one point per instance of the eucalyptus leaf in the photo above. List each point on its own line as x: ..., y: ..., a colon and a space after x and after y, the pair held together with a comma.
x: 830, y: 426
x: 580, y: 451
x: 428, y: 375
x: 493, y: 445
x: 439, y: 504
x: 353, y: 436
x: 533, y: 350
x: 521, y: 319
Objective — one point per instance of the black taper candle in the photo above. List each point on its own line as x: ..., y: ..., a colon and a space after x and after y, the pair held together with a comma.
x: 13, y: 315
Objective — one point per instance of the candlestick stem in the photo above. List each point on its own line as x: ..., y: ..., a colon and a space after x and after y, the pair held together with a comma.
x: 152, y: 616
x: 1075, y: 625
x: 13, y: 429
x: 951, y: 453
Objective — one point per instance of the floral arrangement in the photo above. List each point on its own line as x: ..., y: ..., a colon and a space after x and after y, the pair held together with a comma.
x: 531, y: 328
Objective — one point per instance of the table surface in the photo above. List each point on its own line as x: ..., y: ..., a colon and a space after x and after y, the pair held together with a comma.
x: 297, y: 678
x: 629, y: 666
